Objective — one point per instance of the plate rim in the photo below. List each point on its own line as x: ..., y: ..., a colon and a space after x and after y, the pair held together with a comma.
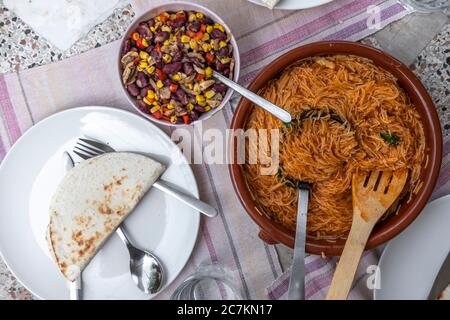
x: 278, y: 7
x: 107, y: 109
x: 389, y: 244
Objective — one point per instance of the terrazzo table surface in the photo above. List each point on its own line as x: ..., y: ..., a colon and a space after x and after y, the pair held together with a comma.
x: 21, y: 48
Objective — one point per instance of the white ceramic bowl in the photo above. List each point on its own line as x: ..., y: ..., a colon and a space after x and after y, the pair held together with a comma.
x: 176, y: 6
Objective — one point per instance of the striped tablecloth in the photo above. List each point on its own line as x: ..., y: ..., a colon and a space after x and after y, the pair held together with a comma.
x: 231, y: 239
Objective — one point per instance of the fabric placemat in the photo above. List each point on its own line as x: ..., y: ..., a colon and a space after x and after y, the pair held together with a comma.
x: 90, y: 79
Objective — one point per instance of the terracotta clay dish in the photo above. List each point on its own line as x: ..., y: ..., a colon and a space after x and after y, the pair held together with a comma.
x: 273, y: 232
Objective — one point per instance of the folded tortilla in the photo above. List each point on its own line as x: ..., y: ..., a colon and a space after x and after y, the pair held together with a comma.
x: 91, y: 202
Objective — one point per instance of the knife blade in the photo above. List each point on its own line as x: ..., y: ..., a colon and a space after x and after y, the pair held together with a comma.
x: 442, y: 280
x: 74, y: 286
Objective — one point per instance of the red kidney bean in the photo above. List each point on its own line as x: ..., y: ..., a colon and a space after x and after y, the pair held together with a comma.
x: 141, y: 80
x: 217, y: 34
x: 219, y: 87
x: 161, y: 36
x: 177, y: 57
x: 194, y: 115
x: 220, y: 66
x: 199, y: 108
x: 172, y: 68
x: 144, y: 31
x: 126, y: 47
x: 133, y: 90
x: 187, y: 68
x: 223, y: 52
x: 143, y: 106
x: 144, y: 91
x: 181, y: 96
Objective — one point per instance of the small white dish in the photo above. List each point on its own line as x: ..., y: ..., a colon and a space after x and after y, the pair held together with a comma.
x: 410, y: 263
x: 30, y: 173
x: 295, y: 4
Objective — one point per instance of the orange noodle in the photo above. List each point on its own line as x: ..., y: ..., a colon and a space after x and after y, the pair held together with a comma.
x: 382, y: 131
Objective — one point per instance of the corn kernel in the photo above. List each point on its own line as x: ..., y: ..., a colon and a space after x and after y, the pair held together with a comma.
x: 155, y: 108
x: 173, y: 119
x: 166, y: 43
x: 135, y: 36
x: 170, y: 106
x: 167, y: 58
x: 173, y: 16
x: 207, y: 108
x: 222, y: 44
x: 202, y: 103
x: 150, y: 69
x: 176, y: 77
x: 199, y: 98
x: 190, y: 86
x: 143, y: 55
x: 143, y: 64
x: 166, y: 28
x: 140, y: 69
x: 196, y: 88
x: 190, y: 106
x: 147, y: 101
x: 153, y: 29
x: 218, y: 26
x: 208, y: 72
x: 185, y: 38
x: 225, y: 60
x: 206, y: 36
x: 151, y: 94
x: 199, y: 15
x: 193, y: 44
x: 159, y: 84
x: 206, y: 47
x: 192, y: 17
x: 209, y: 29
x: 209, y: 94
x: 144, y: 43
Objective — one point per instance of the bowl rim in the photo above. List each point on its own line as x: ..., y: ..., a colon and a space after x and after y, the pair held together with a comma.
x: 273, y: 232
x: 153, y: 11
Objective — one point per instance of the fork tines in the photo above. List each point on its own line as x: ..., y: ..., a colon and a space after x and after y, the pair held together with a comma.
x: 86, y: 148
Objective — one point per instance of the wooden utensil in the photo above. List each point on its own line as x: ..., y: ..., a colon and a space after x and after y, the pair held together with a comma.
x: 372, y: 194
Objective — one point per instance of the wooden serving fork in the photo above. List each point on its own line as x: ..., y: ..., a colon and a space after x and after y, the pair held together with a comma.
x: 372, y: 194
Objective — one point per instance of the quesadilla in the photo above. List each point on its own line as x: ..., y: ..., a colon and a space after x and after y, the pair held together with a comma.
x: 91, y: 202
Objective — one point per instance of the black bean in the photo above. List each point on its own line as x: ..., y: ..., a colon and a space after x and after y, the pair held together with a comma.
x: 177, y: 23
x: 161, y: 36
x: 151, y: 22
x: 167, y: 82
x: 199, y: 108
x: 179, y: 120
x: 187, y: 68
x: 217, y: 34
x: 134, y: 49
x: 219, y: 87
x: 172, y: 68
x: 149, y: 49
x: 194, y: 26
x: 226, y: 72
x: 143, y: 106
x: 133, y: 90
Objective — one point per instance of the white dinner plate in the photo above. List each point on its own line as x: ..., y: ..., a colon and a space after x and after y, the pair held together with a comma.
x: 30, y: 173
x: 410, y: 263
x: 295, y: 4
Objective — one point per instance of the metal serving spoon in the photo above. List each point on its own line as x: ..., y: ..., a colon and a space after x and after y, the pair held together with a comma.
x: 146, y: 270
x: 281, y: 114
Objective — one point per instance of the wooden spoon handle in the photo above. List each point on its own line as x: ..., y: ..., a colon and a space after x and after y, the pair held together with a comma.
x: 348, y: 264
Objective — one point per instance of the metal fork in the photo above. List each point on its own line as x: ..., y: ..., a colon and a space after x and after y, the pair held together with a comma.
x: 86, y: 149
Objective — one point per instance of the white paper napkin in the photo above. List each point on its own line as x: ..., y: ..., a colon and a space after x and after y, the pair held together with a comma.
x: 63, y: 22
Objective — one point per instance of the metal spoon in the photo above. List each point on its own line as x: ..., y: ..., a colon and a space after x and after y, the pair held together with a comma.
x: 281, y: 114
x: 146, y: 270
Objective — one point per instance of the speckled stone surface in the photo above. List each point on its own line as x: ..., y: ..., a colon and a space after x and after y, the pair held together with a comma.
x: 21, y: 48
